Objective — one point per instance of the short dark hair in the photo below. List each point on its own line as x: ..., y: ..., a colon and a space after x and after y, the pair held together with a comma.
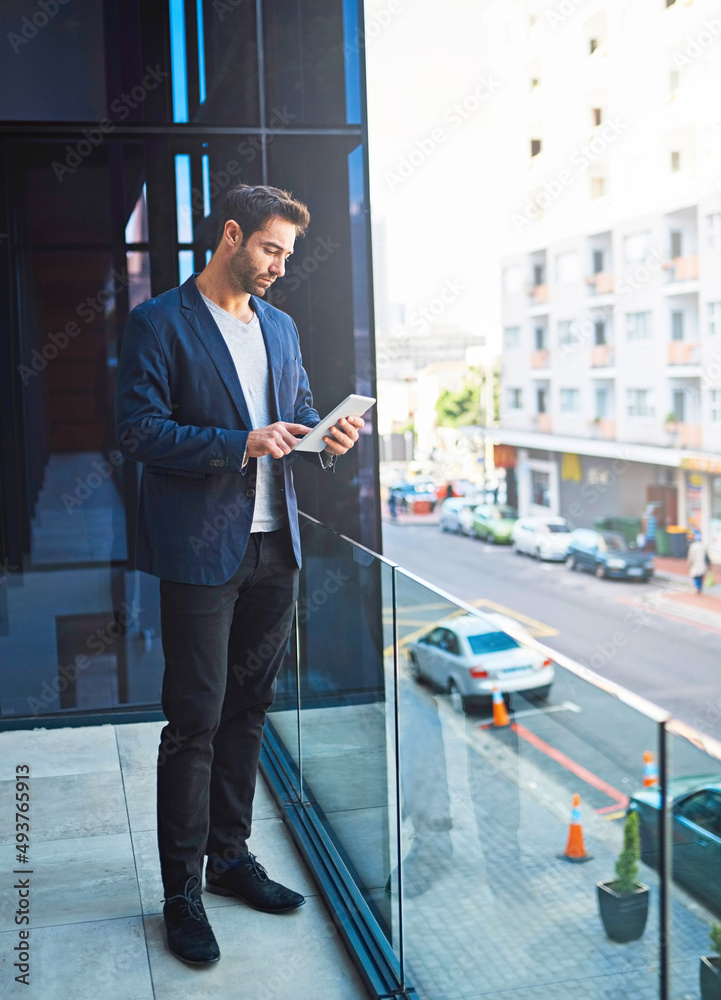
x: 251, y: 207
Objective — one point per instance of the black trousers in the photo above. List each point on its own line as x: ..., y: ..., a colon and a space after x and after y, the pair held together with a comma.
x: 223, y: 647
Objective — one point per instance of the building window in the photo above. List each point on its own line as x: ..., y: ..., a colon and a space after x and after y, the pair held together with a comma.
x: 541, y: 400
x: 512, y: 278
x: 602, y: 406
x: 539, y: 274
x: 677, y: 325
x: 640, y: 402
x: 540, y: 339
x: 592, y: 45
x: 713, y: 231
x: 638, y: 325
x: 678, y: 405
x: 541, y: 488
x: 515, y: 399
x: 535, y: 147
x: 512, y: 337
x: 675, y: 161
x: 596, y: 116
x: 714, y: 318
x: 676, y: 241
x: 673, y: 81
x: 597, y: 262
x: 570, y: 400
x: 599, y: 332
x: 566, y: 332
x: 715, y: 406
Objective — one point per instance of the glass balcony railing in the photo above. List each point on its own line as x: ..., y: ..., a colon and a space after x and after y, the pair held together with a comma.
x: 470, y: 790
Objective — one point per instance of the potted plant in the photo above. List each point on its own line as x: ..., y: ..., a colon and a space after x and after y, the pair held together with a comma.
x: 671, y: 423
x: 710, y: 970
x: 623, y: 902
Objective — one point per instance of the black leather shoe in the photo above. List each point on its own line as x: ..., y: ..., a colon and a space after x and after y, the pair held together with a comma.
x: 190, y: 936
x: 248, y: 880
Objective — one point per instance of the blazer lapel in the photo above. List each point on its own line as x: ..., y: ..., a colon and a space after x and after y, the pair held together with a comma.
x: 206, y: 329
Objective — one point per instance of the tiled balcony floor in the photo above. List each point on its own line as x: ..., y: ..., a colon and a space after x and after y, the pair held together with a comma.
x: 96, y: 927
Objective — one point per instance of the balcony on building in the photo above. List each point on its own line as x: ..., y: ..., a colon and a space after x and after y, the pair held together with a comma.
x: 602, y: 356
x: 537, y: 287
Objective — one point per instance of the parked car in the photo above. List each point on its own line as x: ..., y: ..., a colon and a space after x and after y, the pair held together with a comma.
x: 468, y: 656
x: 494, y: 522
x: 457, y: 515
x: 695, y: 832
x: 543, y: 536
x: 607, y: 553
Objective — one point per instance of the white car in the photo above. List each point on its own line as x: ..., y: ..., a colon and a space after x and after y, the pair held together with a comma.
x: 468, y: 655
x: 542, y: 536
x: 457, y: 514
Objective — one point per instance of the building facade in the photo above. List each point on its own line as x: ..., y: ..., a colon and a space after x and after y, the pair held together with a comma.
x: 611, y: 257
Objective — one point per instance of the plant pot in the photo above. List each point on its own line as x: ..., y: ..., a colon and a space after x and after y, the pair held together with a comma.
x: 623, y: 915
x: 710, y: 977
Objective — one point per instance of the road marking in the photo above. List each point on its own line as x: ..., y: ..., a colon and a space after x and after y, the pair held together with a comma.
x: 535, y: 627
x: 620, y: 801
x: 566, y: 706
x: 664, y: 613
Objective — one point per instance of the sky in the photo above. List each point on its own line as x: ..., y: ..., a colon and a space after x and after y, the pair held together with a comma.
x: 428, y: 98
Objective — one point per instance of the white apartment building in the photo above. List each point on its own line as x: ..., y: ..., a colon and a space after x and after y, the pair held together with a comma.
x: 606, y: 131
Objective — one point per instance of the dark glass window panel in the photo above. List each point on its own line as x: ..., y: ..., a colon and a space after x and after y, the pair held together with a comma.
x: 305, y: 71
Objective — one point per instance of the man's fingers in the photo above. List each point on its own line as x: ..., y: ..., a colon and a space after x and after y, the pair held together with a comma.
x: 296, y: 428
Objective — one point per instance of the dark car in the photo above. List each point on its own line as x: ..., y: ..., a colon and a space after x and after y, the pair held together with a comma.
x: 607, y: 553
x: 695, y: 832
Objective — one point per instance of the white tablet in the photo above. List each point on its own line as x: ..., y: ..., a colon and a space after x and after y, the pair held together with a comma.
x: 352, y: 406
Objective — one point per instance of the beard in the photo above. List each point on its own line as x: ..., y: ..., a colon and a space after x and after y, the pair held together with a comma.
x: 246, y: 273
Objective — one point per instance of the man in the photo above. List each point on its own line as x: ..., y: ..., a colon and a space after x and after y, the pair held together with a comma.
x: 212, y: 396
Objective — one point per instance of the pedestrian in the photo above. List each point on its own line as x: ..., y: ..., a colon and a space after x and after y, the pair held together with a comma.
x: 212, y: 396
x: 698, y: 561
x: 392, y: 505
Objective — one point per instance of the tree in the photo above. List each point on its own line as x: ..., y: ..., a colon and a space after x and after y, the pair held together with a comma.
x: 461, y: 408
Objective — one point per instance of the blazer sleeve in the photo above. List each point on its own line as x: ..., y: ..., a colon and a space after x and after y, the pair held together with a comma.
x: 145, y: 429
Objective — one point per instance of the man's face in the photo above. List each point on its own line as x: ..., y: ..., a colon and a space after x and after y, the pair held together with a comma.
x: 261, y: 259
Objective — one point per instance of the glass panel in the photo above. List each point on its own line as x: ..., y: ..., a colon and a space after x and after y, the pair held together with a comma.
x: 695, y: 793
x: 347, y: 698
x: 178, y: 60
x: 491, y: 902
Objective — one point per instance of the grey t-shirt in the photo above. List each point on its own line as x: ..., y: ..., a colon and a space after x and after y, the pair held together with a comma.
x: 247, y: 349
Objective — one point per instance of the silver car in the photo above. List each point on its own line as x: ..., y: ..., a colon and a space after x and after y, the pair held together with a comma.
x: 543, y: 536
x: 457, y: 515
x: 468, y: 656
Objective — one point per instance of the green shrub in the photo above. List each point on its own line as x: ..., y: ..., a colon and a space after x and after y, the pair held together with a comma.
x: 715, y: 937
x: 627, y: 864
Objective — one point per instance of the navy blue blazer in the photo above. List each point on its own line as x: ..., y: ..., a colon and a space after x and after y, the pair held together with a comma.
x: 180, y: 410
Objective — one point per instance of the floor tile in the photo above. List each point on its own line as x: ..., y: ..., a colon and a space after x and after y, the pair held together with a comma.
x: 76, y: 880
x: 270, y: 842
x: 90, y: 961
x: 275, y: 957
x: 72, y: 750
x: 67, y: 805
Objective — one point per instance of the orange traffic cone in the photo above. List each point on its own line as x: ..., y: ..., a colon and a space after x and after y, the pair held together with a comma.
x: 575, y: 850
x: 650, y: 771
x: 500, y: 715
